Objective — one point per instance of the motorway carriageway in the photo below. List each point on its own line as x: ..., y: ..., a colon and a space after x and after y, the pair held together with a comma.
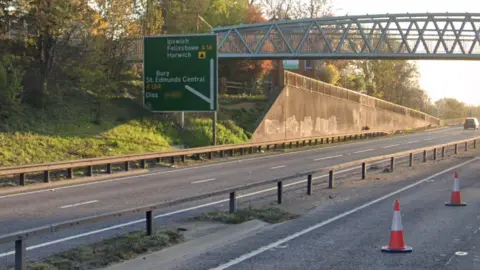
x: 351, y: 233
x: 32, y: 209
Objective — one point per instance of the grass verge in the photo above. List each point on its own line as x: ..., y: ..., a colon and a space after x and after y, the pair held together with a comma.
x: 269, y: 215
x: 108, y: 251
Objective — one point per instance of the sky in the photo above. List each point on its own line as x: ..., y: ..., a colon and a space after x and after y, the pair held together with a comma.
x: 457, y: 79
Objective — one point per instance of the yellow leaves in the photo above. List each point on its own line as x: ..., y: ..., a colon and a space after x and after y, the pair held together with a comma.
x: 99, y: 25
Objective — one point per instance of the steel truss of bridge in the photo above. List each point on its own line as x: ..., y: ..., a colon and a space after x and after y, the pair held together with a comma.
x: 389, y: 36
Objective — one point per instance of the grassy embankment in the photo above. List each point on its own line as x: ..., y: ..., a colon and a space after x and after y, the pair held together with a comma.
x: 83, y: 127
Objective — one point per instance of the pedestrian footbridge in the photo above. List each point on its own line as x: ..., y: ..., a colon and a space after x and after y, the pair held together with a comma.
x: 387, y: 36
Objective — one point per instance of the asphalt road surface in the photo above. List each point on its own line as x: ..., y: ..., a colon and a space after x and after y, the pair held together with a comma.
x: 28, y: 210
x: 350, y: 235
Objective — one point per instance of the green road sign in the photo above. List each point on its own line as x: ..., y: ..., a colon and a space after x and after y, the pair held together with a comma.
x: 180, y: 73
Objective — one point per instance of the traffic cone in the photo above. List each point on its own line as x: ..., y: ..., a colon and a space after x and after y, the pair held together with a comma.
x: 397, y: 242
x: 456, y: 199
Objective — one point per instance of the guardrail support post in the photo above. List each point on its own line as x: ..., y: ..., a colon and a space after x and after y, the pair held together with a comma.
x: 90, y: 171
x: 70, y: 173
x: 410, y: 162
x: 392, y: 164
x: 298, y: 144
x: 127, y: 166
x: 159, y: 160
x: 149, y: 219
x: 210, y: 155
x: 474, y: 144
x: 304, y: 142
x: 268, y: 147
x: 321, y: 141
x: 143, y: 164
x: 279, y: 192
x: 443, y: 151
x: 260, y: 149
x: 232, y: 153
x: 291, y: 145
x: 275, y: 147
x: 183, y: 157
x: 345, y: 138
x: 233, y: 203
x: 46, y: 176
x: 466, y: 146
x: 424, y: 155
x: 456, y: 148
x: 309, y: 142
x: 327, y: 140
x: 284, y: 146
x: 364, y: 170
x: 435, y: 153
x: 316, y: 141
x: 222, y: 153
x: 109, y: 168
x: 331, y: 179
x: 22, y: 180
x: 20, y: 252
x: 309, y: 185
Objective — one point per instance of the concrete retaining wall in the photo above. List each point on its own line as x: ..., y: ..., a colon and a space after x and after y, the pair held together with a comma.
x: 301, y: 113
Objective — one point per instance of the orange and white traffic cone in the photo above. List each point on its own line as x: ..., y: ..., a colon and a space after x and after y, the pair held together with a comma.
x: 456, y: 199
x: 397, y: 242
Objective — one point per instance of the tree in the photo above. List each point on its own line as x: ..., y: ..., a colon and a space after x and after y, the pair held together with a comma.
x: 313, y: 9
x: 278, y: 9
x: 247, y: 70
x: 329, y: 74
x: 354, y: 82
x: 54, y: 23
x: 449, y: 108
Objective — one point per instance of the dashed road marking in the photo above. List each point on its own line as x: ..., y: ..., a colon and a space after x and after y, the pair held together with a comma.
x: 363, y: 151
x: 278, y: 167
x: 324, y: 158
x: 78, y: 204
x: 390, y: 146
x: 204, y: 181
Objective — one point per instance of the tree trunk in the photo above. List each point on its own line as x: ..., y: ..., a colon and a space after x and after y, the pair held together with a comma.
x: 165, y: 9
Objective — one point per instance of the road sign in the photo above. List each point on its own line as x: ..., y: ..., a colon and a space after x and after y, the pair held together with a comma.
x: 180, y: 73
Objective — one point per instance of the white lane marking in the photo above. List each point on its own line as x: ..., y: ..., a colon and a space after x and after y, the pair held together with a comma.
x: 190, y: 168
x: 278, y: 167
x: 203, y: 181
x: 363, y: 151
x: 78, y: 204
x: 324, y: 158
x: 429, y: 139
x: 73, y: 237
x: 390, y: 146
x: 412, y: 142
x: 328, y: 221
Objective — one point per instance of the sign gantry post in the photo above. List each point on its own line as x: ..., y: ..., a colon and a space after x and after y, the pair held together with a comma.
x: 180, y: 74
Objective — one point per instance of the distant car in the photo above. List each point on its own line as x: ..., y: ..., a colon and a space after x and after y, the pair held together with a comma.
x: 471, y: 122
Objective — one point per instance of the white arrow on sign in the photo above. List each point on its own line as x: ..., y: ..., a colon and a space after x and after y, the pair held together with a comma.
x: 212, y: 86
